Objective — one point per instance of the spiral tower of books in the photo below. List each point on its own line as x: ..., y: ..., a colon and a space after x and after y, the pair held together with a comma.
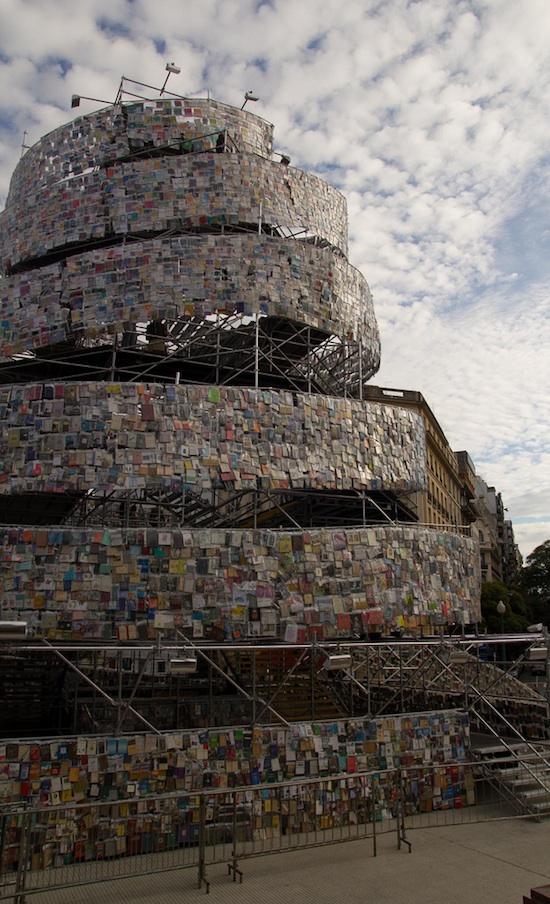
x: 184, y: 439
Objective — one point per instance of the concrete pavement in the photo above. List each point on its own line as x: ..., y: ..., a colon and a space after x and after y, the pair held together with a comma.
x: 484, y: 863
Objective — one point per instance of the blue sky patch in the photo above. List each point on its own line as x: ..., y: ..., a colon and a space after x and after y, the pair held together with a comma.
x: 113, y: 29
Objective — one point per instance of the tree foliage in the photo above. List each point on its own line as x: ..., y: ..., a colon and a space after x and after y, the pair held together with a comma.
x: 518, y: 615
x: 535, y: 582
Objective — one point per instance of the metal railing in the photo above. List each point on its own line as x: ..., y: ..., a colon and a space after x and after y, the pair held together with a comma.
x: 48, y: 848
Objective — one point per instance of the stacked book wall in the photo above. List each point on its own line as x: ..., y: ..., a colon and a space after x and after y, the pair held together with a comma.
x: 251, y: 243
x: 93, y: 294
x: 358, y: 759
x: 152, y: 196
x: 96, y: 768
x: 116, y: 132
x: 116, y: 436
x: 73, y: 584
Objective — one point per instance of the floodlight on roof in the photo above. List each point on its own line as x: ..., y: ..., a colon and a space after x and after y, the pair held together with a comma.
x: 537, y: 653
x: 535, y: 629
x: 249, y: 95
x: 76, y: 98
x: 285, y: 159
x: 171, y: 69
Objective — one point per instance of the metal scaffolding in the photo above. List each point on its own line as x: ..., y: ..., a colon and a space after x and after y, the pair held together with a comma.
x: 120, y: 687
x: 220, y: 349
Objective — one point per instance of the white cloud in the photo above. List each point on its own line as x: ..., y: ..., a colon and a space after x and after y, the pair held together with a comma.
x: 432, y: 117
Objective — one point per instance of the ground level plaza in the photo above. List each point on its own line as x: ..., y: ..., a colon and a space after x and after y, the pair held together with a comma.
x: 486, y: 863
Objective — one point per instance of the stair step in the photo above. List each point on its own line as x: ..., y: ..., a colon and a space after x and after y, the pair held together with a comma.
x: 526, y: 773
x: 535, y: 792
x: 526, y: 783
x: 530, y: 774
x: 542, y: 807
x: 524, y: 768
x: 524, y: 776
x: 268, y: 674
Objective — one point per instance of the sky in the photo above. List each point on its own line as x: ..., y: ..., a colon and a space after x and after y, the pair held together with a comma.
x: 431, y: 116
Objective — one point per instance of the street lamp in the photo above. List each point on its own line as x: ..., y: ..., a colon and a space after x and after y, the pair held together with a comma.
x: 501, y: 609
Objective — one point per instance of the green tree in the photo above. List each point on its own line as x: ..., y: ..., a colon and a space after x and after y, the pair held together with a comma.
x: 534, y: 582
x: 518, y: 615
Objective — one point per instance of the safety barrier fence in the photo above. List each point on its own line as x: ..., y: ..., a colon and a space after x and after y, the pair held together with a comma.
x: 43, y: 849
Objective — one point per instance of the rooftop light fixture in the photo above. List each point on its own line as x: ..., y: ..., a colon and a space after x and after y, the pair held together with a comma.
x: 76, y: 98
x: 285, y: 159
x: 537, y: 653
x: 171, y: 69
x: 249, y: 95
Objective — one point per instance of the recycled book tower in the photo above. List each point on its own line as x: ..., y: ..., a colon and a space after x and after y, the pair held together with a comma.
x: 184, y: 442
